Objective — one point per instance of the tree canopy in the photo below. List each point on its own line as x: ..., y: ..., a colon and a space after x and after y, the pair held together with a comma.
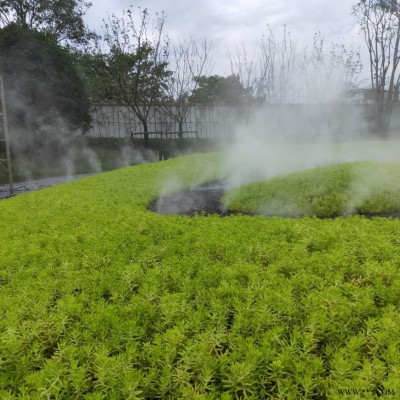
x: 41, y: 80
x: 218, y: 89
x: 61, y: 19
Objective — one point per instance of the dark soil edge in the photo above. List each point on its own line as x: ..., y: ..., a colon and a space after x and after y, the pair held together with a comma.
x: 206, y: 200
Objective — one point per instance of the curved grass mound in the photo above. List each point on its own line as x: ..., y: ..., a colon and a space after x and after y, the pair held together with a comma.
x: 368, y: 188
x: 102, y: 299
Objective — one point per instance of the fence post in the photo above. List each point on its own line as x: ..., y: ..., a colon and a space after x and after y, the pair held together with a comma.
x: 3, y: 115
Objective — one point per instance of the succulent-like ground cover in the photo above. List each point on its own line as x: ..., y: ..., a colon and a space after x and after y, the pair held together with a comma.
x: 102, y: 299
x: 370, y: 188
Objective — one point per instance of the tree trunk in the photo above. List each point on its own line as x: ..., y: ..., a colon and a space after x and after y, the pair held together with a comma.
x: 380, y: 119
x: 145, y: 132
x: 386, y: 118
x: 180, y: 133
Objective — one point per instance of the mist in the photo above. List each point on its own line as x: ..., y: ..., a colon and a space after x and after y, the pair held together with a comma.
x: 45, y: 146
x: 306, y: 120
x: 312, y: 118
x: 49, y: 111
x: 280, y: 140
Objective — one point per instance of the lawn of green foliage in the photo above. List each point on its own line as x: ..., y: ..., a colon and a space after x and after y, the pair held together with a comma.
x: 340, y: 189
x: 103, y: 299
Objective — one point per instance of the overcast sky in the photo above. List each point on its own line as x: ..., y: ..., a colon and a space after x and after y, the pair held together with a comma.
x: 228, y: 23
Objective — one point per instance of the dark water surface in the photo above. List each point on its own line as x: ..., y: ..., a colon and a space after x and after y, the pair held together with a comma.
x: 37, y: 184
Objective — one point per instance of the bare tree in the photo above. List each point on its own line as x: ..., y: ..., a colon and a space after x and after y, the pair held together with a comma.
x: 137, y: 62
x: 278, y: 61
x: 269, y: 70
x: 246, y: 66
x: 190, y: 59
x: 328, y: 74
x: 380, y: 24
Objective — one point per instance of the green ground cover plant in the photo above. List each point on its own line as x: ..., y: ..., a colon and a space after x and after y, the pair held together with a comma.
x: 49, y: 156
x: 102, y: 299
x: 329, y: 191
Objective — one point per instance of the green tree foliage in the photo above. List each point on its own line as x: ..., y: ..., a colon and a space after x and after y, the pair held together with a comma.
x: 61, y: 19
x: 41, y: 81
x: 95, y: 73
x: 137, y: 63
x: 217, y: 89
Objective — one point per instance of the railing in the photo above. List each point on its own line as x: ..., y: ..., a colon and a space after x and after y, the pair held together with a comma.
x: 220, y: 121
x: 205, y: 121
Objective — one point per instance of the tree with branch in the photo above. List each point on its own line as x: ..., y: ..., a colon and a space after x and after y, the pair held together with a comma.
x: 267, y: 72
x: 61, y: 19
x: 189, y: 60
x: 328, y: 74
x: 137, y: 63
x: 380, y: 24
